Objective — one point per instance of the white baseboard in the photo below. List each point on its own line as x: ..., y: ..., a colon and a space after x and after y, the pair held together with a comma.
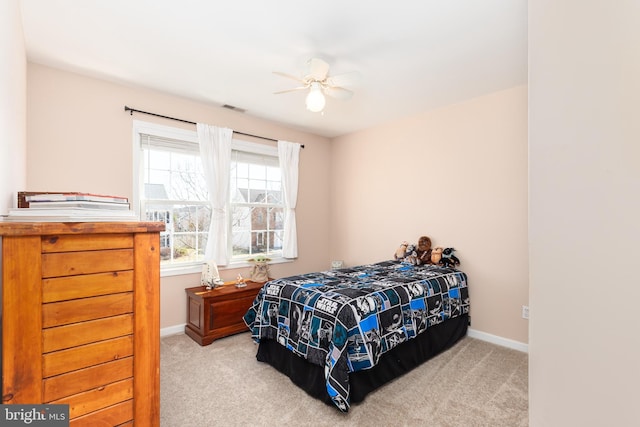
x: 494, y: 339
x: 172, y: 330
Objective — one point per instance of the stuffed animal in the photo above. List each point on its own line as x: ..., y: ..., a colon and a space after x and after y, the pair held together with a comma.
x: 260, y: 270
x: 410, y: 255
x: 448, y: 258
x: 424, y: 250
x: 401, y: 251
x: 436, y: 255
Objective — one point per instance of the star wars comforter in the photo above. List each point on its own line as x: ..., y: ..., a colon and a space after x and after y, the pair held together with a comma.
x: 346, y: 319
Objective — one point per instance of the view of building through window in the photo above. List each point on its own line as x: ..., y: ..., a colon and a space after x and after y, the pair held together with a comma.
x: 256, y: 205
x: 175, y: 192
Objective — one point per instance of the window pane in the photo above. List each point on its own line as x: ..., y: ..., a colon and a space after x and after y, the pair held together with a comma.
x: 160, y: 159
x: 186, y: 229
x: 243, y: 184
x: 191, y: 217
x: 274, y: 195
x: 202, y: 244
x: 185, y: 248
x: 277, y: 215
x: 237, y: 196
x: 257, y: 172
x: 241, y: 243
x: 275, y: 240
x: 242, y: 170
x: 274, y: 186
x: 256, y: 196
x: 273, y: 174
x: 259, y: 219
x: 188, y: 185
x: 241, y: 218
x: 159, y: 177
x: 260, y: 189
x: 182, y: 162
x: 258, y: 242
x: 155, y: 191
x: 184, y: 219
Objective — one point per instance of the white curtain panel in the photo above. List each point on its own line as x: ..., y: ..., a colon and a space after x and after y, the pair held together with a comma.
x: 215, y: 151
x: 289, y: 155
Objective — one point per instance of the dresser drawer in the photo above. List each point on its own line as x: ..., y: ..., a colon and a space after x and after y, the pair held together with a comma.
x: 98, y: 398
x: 114, y: 415
x: 86, y: 285
x: 75, y: 242
x: 60, y: 362
x: 87, y: 262
x: 86, y: 379
x: 79, y: 310
x: 75, y: 334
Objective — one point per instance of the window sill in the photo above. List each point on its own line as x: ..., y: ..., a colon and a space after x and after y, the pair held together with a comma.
x: 197, y: 267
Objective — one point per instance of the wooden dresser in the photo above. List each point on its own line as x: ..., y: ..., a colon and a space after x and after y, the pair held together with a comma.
x: 81, y: 321
x: 218, y: 312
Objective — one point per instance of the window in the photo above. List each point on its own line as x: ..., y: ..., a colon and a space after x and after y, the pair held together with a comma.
x: 257, y: 208
x: 172, y: 189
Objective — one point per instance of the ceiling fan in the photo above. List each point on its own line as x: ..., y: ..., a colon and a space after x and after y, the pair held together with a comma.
x: 319, y: 83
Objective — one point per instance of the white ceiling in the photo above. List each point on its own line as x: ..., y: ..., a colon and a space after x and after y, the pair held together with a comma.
x: 412, y: 55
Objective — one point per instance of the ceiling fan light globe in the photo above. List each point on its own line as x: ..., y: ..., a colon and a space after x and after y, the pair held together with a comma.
x: 315, y: 100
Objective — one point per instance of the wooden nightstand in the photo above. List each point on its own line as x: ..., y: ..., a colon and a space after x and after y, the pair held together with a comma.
x: 217, y: 313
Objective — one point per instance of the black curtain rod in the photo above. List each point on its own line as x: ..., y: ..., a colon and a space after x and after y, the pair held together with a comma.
x: 133, y: 110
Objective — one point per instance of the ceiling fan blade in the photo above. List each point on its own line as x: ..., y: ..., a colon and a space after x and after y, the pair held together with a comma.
x: 338, y: 92
x: 318, y: 69
x: 289, y: 76
x: 347, y: 79
x: 290, y: 90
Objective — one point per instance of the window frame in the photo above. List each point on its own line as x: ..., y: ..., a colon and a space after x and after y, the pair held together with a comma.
x: 191, y: 136
x: 263, y: 150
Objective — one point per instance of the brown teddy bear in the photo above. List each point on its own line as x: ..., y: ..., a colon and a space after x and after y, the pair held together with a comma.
x: 423, y: 251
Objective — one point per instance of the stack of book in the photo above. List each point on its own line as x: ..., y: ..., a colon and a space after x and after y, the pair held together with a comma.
x: 71, y: 207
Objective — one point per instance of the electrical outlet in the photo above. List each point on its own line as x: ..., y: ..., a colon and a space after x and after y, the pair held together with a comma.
x: 525, y: 311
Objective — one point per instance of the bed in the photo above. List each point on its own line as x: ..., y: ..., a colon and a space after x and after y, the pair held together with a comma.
x: 340, y: 334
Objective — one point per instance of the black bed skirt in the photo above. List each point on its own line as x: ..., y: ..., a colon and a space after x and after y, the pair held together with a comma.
x: 391, y: 365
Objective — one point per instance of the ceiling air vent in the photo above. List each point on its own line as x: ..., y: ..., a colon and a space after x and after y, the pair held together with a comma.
x: 231, y: 107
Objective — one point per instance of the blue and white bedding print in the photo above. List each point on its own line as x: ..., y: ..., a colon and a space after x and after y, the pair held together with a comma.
x: 346, y: 319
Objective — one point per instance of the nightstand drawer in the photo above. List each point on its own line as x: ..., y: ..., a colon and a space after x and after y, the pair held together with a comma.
x: 230, y: 312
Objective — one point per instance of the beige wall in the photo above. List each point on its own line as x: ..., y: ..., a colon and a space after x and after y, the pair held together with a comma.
x: 80, y: 139
x: 584, y: 228
x: 13, y: 114
x: 456, y: 174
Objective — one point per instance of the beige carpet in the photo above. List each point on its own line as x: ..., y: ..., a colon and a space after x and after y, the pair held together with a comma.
x: 473, y: 384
